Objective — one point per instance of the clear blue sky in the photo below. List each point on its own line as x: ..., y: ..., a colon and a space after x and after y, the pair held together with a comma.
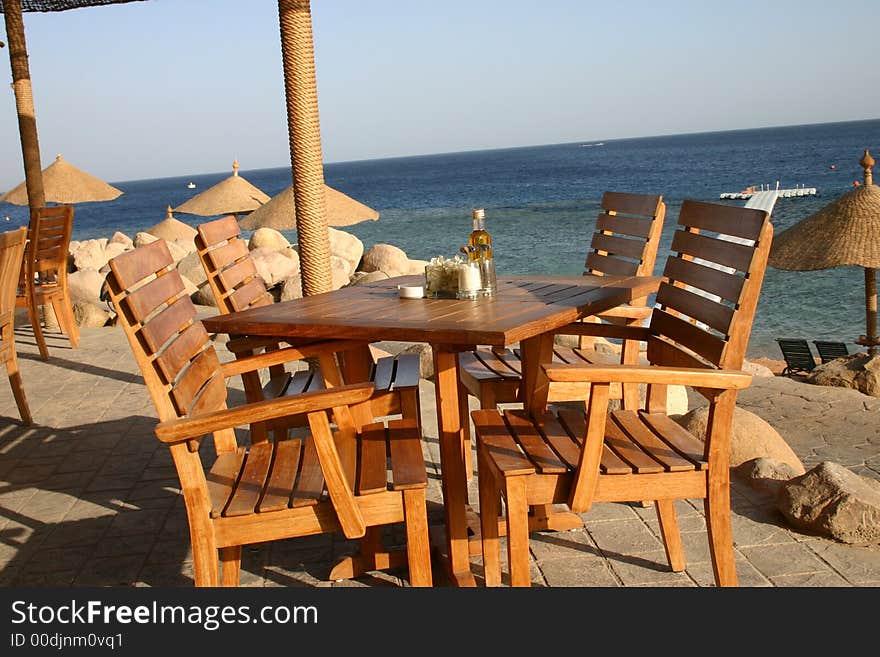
x: 178, y: 87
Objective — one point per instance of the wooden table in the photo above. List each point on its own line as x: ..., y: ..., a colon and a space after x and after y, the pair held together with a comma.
x: 525, y: 309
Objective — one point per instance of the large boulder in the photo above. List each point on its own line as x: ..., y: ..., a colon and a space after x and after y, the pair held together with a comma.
x: 386, y: 258
x: 85, y: 285
x: 347, y: 246
x: 834, y: 501
x: 857, y: 371
x: 268, y: 238
x: 751, y: 437
x: 89, y: 254
x: 89, y: 315
x: 191, y: 267
x: 273, y: 267
x: 363, y: 277
x: 121, y: 238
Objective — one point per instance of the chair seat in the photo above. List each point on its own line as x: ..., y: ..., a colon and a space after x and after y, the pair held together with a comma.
x: 274, y: 476
x: 503, y: 370
x: 636, y: 442
x: 391, y: 374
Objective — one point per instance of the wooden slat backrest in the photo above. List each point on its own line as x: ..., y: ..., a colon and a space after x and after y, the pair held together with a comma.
x: 707, y: 303
x: 173, y: 350
x: 229, y: 267
x: 49, y: 232
x: 627, y: 235
x: 11, y: 253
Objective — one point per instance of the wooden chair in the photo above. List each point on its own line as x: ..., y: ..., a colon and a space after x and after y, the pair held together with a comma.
x: 582, y: 457
x: 625, y: 243
x: 44, y: 274
x: 236, y: 286
x: 11, y: 256
x: 323, y: 482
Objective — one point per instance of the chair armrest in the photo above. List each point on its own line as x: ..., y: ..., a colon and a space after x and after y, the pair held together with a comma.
x: 186, y: 428
x: 285, y: 355
x: 654, y: 374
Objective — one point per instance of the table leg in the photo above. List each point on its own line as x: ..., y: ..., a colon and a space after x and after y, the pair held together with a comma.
x: 454, y: 480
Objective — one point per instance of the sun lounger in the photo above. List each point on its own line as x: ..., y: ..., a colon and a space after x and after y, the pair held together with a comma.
x: 829, y: 351
x: 797, y: 354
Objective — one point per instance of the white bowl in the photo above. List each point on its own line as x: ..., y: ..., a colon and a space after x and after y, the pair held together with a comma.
x: 411, y: 291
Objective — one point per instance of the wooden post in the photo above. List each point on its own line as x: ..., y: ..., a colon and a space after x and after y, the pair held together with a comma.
x: 24, y: 103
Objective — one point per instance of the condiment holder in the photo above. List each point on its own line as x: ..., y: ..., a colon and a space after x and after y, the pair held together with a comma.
x: 410, y: 291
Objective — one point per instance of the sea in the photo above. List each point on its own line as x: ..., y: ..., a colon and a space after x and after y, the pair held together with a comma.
x: 542, y: 202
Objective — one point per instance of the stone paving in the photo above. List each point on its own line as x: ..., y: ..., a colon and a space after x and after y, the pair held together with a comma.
x: 89, y: 497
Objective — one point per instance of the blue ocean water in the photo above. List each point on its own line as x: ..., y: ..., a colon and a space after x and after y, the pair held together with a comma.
x: 541, y: 205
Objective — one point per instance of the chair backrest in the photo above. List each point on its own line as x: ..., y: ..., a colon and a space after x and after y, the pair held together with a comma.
x: 11, y: 254
x: 49, y: 234
x: 627, y: 235
x: 172, y: 348
x: 829, y: 351
x: 692, y: 330
x: 797, y: 355
x: 229, y: 266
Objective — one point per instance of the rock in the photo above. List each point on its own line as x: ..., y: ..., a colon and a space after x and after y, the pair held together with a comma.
x: 857, y: 371
x: 340, y: 271
x: 385, y: 258
x: 363, y: 277
x: 90, y: 254
x: 268, y: 238
x: 143, y: 238
x: 756, y: 369
x: 291, y: 289
x: 417, y: 267
x: 346, y: 246
x: 179, y: 250
x: 191, y: 267
x: 121, y: 238
x: 831, y: 500
x: 88, y: 315
x: 85, y: 285
x: 273, y: 267
x: 189, y: 287
x: 292, y: 253
x: 765, y: 474
x: 751, y: 438
x: 203, y: 296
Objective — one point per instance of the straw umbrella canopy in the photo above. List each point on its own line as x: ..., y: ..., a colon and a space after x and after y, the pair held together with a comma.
x: 233, y: 195
x: 280, y: 211
x: 844, y: 232
x: 172, y: 229
x: 65, y: 183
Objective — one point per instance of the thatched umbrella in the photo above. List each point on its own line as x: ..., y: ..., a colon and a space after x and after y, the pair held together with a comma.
x: 844, y: 232
x: 171, y: 229
x: 233, y: 195
x: 280, y: 211
x: 65, y: 183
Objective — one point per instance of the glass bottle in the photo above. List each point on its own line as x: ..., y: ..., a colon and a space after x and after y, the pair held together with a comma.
x: 480, y: 241
x: 480, y: 250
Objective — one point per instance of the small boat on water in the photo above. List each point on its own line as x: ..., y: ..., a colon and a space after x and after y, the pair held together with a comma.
x: 191, y: 185
x: 751, y: 190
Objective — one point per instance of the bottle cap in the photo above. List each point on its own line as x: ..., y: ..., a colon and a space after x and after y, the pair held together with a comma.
x: 479, y: 213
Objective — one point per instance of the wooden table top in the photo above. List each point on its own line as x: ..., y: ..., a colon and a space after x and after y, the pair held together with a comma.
x: 523, y: 306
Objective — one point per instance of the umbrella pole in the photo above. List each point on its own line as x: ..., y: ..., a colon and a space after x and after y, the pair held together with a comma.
x: 304, y: 131
x: 871, y: 310
x: 24, y: 103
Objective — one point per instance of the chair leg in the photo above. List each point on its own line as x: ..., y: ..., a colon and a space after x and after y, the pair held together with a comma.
x: 517, y: 531
x: 18, y: 389
x: 66, y: 319
x: 490, y: 508
x: 37, y: 325
x: 671, y: 534
x: 418, y: 547
x: 464, y: 420
x: 206, y: 565
x: 717, y: 506
x: 230, y: 560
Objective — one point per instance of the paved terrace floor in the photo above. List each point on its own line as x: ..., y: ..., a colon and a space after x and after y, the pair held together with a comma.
x: 89, y: 497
